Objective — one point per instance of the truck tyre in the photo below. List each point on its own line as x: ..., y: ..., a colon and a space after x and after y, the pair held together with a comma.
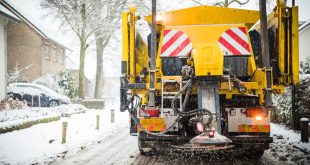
x: 255, y: 154
x: 141, y: 150
x: 144, y: 150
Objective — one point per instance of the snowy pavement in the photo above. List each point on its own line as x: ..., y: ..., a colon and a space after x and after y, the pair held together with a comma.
x: 120, y: 148
x: 42, y: 143
x: 287, y: 148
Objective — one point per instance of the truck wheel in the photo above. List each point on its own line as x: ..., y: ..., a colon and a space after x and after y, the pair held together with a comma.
x: 145, y: 151
x: 255, y: 154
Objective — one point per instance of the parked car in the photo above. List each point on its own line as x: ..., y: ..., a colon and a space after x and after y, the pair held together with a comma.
x: 36, y: 95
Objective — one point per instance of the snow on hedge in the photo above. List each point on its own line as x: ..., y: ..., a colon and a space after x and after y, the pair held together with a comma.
x: 10, y: 118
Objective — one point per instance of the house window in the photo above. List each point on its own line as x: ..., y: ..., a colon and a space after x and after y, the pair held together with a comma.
x: 54, y: 54
x: 61, y: 56
x: 46, y: 52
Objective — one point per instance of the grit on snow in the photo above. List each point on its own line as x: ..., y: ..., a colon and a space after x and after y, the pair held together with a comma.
x: 42, y: 143
x: 287, y: 148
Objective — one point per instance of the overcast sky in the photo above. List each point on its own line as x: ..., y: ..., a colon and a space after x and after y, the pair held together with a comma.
x: 32, y: 9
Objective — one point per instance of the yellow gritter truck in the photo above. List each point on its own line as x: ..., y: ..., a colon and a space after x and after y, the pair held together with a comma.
x: 203, y: 79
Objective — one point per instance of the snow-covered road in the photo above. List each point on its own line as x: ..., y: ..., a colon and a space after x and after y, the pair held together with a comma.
x: 182, y: 159
x: 112, y: 144
x: 120, y: 148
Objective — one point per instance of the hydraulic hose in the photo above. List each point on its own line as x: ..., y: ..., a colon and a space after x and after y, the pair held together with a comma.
x: 174, y: 105
x: 162, y: 133
x: 188, y: 87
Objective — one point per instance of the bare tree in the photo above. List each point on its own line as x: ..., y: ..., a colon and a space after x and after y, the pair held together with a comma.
x: 227, y: 3
x: 223, y: 3
x: 78, y: 15
x: 108, y: 17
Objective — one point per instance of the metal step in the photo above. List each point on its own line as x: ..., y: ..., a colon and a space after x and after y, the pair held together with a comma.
x: 170, y: 95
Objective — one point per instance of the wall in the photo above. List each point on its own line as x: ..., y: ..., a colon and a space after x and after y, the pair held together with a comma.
x: 24, y: 49
x: 53, y: 58
x: 27, y: 47
x: 3, y: 57
x: 304, y: 40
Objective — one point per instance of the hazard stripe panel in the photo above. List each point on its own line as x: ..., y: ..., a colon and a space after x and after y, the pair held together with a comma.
x: 235, y: 41
x: 253, y: 128
x: 175, y: 43
x: 152, y: 124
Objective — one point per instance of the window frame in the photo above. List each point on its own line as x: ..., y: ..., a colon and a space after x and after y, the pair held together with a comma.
x: 46, y: 51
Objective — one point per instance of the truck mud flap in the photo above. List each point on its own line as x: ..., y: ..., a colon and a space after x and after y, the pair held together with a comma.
x: 251, y: 139
x: 170, y: 139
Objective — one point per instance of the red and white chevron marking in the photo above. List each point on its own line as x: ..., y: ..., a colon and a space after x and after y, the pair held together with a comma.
x: 175, y: 44
x: 235, y: 41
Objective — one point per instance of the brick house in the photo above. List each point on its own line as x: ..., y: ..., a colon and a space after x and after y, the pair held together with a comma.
x: 5, y: 16
x: 29, y: 47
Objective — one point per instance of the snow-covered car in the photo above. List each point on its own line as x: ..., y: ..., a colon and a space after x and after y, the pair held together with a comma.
x: 36, y: 95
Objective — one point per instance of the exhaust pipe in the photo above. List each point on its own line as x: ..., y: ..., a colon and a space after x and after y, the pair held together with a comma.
x: 152, y: 56
x: 265, y: 50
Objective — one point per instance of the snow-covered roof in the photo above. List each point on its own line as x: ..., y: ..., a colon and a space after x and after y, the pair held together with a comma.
x: 7, y: 13
x: 30, y: 21
x: 304, y: 26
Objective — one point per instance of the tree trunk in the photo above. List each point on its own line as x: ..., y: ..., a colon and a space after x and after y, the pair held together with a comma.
x: 81, y: 72
x: 99, y: 72
x: 226, y: 3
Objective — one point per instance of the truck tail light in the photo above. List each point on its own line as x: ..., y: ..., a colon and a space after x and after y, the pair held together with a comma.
x: 258, y: 117
x: 149, y: 113
x: 199, y: 127
x: 211, y: 133
x: 257, y: 112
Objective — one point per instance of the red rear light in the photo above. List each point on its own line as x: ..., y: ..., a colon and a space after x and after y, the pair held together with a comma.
x: 211, y: 133
x: 199, y: 127
x: 257, y: 112
x: 149, y: 113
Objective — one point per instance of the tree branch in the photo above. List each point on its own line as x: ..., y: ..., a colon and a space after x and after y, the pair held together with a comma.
x: 240, y: 3
x: 62, y: 12
x: 197, y: 2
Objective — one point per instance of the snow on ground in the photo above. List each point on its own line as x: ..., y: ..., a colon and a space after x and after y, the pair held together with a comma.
x: 286, y: 147
x: 42, y: 143
x: 292, y: 137
x: 118, y: 149
x: 15, y: 117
